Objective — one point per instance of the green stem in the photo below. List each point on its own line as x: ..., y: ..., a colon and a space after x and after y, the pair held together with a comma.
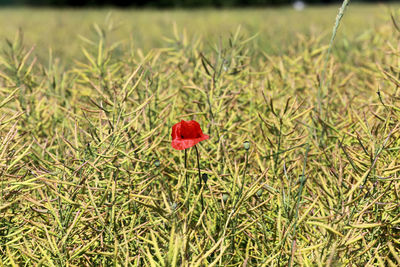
x: 244, y: 176
x: 302, y: 181
x: 237, y: 201
x: 321, y: 93
x: 200, y: 184
x: 186, y: 178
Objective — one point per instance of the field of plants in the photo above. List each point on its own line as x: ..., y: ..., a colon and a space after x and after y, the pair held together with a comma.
x: 301, y: 167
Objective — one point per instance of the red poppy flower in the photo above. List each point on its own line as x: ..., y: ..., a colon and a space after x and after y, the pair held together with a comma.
x: 186, y: 134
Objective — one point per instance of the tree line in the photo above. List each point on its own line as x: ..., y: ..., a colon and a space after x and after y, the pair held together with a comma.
x: 166, y: 3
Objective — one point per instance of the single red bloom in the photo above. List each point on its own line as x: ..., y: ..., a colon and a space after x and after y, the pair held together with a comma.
x: 186, y: 134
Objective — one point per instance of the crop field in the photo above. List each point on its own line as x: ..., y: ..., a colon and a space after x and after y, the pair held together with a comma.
x: 302, y: 163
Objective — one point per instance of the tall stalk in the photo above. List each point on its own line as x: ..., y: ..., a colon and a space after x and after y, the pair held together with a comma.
x: 200, y: 183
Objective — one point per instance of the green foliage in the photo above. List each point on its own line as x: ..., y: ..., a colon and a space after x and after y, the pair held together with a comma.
x: 88, y: 176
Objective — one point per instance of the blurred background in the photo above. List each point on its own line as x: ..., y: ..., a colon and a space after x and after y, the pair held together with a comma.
x: 60, y: 27
x: 169, y: 3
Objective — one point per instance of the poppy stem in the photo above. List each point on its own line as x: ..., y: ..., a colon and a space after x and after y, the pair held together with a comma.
x: 198, y: 166
x: 186, y: 178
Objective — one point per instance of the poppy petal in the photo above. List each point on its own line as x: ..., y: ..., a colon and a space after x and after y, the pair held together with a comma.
x: 186, y: 134
x: 181, y: 144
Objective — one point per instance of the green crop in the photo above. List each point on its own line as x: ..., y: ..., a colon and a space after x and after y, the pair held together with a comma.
x: 301, y: 168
